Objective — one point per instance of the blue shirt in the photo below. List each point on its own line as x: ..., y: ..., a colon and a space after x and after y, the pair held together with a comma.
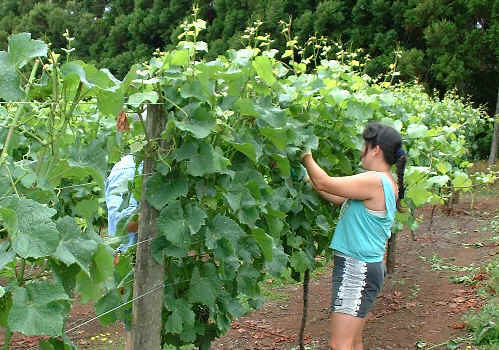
x: 362, y: 234
x: 117, y: 184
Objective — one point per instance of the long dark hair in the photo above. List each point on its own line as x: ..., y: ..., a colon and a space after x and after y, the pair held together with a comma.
x: 390, y: 142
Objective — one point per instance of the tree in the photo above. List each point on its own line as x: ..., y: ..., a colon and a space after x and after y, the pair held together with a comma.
x: 445, y: 45
x: 495, y: 135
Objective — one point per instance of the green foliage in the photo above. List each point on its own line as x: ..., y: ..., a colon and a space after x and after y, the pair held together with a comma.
x: 51, y: 169
x: 254, y: 218
x: 35, y: 234
x: 21, y: 49
x: 445, y: 46
x: 484, y: 323
x: 38, y: 309
x: 231, y: 212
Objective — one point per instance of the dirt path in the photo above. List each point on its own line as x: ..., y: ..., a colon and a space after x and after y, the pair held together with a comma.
x: 416, y: 304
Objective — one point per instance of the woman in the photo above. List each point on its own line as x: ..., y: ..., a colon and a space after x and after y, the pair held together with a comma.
x: 369, y: 201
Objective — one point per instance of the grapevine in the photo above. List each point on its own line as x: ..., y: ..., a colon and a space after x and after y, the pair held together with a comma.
x: 231, y: 208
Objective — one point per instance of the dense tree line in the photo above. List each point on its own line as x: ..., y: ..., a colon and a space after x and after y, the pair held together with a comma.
x: 444, y: 44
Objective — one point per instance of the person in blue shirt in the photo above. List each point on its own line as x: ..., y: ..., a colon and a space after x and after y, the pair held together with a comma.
x: 369, y: 201
x: 116, y: 184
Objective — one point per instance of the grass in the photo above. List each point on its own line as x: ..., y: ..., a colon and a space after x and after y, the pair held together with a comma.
x: 484, y: 324
x: 271, y: 287
x: 271, y: 293
x: 438, y: 264
x: 486, y: 190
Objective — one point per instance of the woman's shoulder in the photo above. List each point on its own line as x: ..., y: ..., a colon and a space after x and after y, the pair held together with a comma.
x: 387, y: 181
x: 368, y: 179
x: 372, y: 175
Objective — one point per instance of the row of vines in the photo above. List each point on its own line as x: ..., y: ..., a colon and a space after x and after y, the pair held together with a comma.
x: 232, y: 205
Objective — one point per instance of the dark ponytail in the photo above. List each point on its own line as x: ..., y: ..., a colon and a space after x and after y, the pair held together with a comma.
x: 390, y: 142
x: 400, y: 164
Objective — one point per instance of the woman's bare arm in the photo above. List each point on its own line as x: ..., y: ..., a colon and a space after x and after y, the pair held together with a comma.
x: 358, y: 186
x: 338, y: 200
x: 332, y: 198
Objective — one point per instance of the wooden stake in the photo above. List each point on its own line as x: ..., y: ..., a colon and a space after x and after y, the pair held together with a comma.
x: 306, y: 283
x: 147, y: 320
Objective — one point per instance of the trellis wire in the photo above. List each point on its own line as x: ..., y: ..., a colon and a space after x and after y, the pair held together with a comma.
x: 79, y: 103
x: 109, y: 311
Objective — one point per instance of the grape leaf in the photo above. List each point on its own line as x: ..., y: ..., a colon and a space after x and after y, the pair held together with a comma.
x: 201, y: 89
x: 22, y: 48
x: 110, y: 102
x: 233, y: 306
x: 73, y: 247
x: 64, y: 275
x: 172, y: 225
x: 86, y: 208
x: 247, y: 281
x: 439, y: 180
x: 195, y: 217
x: 188, y: 150
x: 102, y: 267
x: 247, y: 149
x: 204, y: 287
x: 181, y: 317
x: 36, y: 235
x: 274, y: 116
x: 39, y: 309
x: 140, y: 97
x: 226, y: 227
x: 180, y: 57
x: 88, y: 289
x: 416, y: 130
x: 283, y: 165
x: 9, y: 80
x: 339, y: 95
x: 200, y: 123
x: 108, y: 302
x: 277, y: 136
x: 159, y: 192
x: 56, y: 344
x: 279, y: 262
x: 101, y: 275
x: 9, y: 218
x: 264, y: 241
x: 263, y: 67
x: 321, y: 222
x: 207, y: 161
x: 358, y: 111
x: 461, y: 180
x: 418, y: 194
x: 299, y: 261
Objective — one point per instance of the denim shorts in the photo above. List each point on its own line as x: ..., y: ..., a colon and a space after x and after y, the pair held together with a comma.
x: 355, y: 285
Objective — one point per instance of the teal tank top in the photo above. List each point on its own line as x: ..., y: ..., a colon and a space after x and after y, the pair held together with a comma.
x: 362, y: 234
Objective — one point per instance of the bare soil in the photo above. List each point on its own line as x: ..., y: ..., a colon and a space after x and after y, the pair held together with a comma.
x: 416, y: 304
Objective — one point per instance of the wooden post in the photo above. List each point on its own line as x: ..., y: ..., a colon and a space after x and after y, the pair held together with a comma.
x: 495, y: 135
x: 391, y: 253
x: 149, y: 275
x: 306, y: 283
